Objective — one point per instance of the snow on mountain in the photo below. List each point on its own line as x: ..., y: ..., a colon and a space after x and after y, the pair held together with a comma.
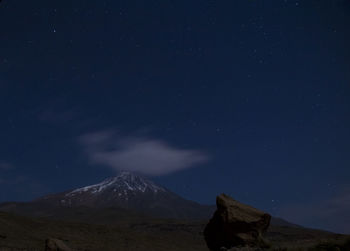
x: 129, y: 191
x: 124, y: 182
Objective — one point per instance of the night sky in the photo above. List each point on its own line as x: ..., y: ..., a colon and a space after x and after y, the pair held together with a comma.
x: 246, y: 97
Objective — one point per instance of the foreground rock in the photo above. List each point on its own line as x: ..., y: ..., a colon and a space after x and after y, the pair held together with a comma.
x: 236, y: 225
x: 56, y: 245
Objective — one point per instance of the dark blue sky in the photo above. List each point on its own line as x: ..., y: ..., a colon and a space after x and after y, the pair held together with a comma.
x: 250, y: 98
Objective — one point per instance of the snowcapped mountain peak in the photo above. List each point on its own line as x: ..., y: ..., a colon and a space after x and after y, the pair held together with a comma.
x: 122, y: 184
x: 127, y: 191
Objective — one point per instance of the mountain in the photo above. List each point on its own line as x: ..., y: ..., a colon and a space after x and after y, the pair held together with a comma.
x: 276, y: 221
x: 125, y: 191
x: 126, y: 196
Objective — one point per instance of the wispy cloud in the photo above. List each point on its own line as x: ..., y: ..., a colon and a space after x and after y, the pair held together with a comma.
x: 6, y: 166
x: 332, y: 213
x: 148, y: 156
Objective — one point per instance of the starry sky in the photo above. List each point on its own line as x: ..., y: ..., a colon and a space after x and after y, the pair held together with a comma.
x: 250, y: 98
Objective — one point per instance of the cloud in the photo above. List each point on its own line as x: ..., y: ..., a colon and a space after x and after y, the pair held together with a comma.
x: 138, y: 154
x: 6, y: 166
x: 332, y: 213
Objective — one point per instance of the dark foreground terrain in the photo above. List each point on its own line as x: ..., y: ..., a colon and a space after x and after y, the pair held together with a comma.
x: 26, y: 233
x: 137, y: 232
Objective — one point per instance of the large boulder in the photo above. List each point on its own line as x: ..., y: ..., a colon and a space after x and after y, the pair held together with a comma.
x: 235, y: 225
x: 56, y: 245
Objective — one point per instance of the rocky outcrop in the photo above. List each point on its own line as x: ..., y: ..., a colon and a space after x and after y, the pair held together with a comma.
x: 236, y: 225
x: 56, y: 245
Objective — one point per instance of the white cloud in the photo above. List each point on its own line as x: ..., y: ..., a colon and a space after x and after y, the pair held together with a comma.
x: 138, y: 154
